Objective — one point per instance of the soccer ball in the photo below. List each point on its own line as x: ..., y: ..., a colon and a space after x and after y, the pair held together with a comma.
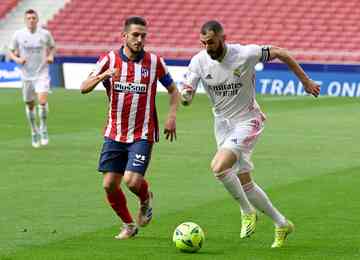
x: 186, y: 96
x: 188, y: 237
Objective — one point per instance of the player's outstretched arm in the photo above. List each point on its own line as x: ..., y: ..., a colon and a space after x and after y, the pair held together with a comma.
x: 310, y: 86
x: 170, y: 125
x: 90, y: 83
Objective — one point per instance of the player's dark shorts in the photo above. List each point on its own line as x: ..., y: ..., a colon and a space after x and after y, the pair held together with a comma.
x: 120, y: 157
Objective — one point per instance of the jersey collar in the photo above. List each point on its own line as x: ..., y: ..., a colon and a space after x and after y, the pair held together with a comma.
x: 126, y: 59
x: 36, y: 29
x: 224, y: 54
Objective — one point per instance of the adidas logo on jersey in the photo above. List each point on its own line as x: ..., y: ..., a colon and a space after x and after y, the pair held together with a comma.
x: 208, y: 76
x: 234, y: 140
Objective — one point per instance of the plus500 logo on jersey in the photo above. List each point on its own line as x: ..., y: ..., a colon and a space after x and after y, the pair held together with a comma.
x: 127, y: 87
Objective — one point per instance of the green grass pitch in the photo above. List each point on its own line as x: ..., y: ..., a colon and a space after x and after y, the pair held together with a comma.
x: 52, y: 204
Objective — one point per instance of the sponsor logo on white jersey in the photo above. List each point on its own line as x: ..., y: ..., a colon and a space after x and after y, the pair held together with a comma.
x: 227, y: 89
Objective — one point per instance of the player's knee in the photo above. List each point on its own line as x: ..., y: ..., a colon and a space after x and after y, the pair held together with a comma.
x: 30, y: 105
x: 222, y: 161
x: 217, y: 167
x: 133, y: 180
x: 245, y: 178
x: 109, y: 186
x: 131, y: 183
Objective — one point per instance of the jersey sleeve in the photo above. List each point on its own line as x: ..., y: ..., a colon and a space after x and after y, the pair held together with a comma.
x: 101, y: 65
x: 258, y: 53
x: 193, y: 77
x: 14, y: 44
x: 163, y: 74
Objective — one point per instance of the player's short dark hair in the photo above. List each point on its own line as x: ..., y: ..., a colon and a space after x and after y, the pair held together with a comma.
x: 134, y: 20
x: 212, y: 25
x: 30, y: 11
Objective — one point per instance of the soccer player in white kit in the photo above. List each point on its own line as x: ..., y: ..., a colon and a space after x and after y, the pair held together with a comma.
x: 33, y: 49
x: 228, y: 75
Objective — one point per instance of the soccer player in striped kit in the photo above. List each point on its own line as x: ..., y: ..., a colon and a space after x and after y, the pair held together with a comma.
x: 33, y: 49
x: 130, y: 75
x: 227, y: 72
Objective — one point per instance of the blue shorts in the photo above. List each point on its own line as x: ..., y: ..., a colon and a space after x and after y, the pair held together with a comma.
x: 120, y: 157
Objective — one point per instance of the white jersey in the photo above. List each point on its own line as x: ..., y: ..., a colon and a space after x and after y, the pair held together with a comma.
x: 230, y: 84
x: 33, y: 48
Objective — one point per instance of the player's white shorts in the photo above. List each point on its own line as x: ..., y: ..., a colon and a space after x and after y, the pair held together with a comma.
x: 239, y: 137
x: 32, y: 87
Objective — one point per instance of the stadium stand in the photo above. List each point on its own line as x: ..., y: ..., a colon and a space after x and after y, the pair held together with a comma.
x: 6, y: 6
x: 315, y: 31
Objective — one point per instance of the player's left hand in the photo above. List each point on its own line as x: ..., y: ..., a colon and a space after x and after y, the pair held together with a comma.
x: 170, y: 129
x: 311, y: 87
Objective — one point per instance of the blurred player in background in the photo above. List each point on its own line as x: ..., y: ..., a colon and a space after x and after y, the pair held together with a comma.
x: 33, y: 49
x: 228, y: 75
x: 130, y: 76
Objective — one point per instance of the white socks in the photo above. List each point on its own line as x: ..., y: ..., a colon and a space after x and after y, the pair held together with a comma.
x: 250, y: 195
x: 261, y: 201
x: 31, y: 116
x: 233, y: 186
x: 43, y: 111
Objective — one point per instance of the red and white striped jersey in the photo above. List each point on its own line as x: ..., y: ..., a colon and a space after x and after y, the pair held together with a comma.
x: 131, y: 90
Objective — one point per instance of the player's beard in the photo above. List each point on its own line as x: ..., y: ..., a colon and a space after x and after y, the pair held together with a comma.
x: 134, y: 51
x: 216, y: 54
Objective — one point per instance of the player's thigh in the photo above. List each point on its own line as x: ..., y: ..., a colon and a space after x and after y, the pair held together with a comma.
x: 28, y: 91
x: 113, y: 157
x: 139, y: 154
x: 224, y: 159
x: 42, y: 88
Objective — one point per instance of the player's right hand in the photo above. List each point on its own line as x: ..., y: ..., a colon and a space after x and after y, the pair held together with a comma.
x: 311, y: 87
x: 170, y: 128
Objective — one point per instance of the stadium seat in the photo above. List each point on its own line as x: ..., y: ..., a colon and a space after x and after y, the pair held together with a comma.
x: 6, y: 6
x: 312, y: 28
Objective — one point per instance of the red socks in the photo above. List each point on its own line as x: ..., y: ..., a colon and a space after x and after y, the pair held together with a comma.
x: 117, y: 201
x: 143, y: 193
